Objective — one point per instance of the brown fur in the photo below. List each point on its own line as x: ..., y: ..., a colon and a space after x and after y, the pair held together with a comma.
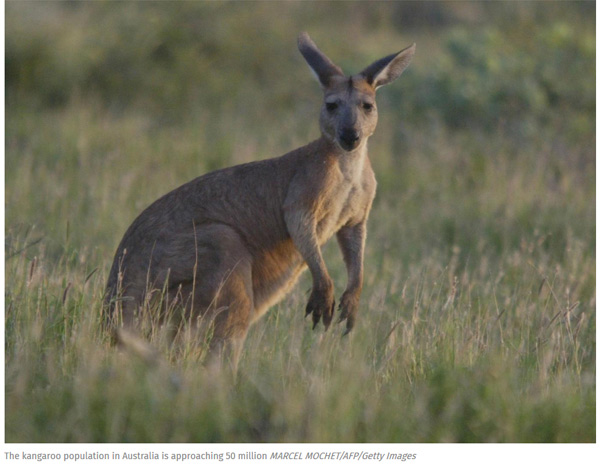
x: 230, y: 244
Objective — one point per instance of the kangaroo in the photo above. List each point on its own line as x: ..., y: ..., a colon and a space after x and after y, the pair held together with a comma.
x: 230, y: 244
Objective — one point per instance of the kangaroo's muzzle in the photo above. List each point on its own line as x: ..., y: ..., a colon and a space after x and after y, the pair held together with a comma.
x: 349, y: 139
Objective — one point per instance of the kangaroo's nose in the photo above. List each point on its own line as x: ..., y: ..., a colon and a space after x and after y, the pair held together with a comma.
x: 349, y: 138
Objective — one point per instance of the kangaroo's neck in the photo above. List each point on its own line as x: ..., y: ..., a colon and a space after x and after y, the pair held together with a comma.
x: 350, y: 163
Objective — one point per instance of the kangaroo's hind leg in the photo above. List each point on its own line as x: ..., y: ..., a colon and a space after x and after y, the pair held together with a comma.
x: 232, y: 313
x: 218, y: 296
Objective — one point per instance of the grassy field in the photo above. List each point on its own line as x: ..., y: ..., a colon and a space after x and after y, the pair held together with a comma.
x: 477, y: 318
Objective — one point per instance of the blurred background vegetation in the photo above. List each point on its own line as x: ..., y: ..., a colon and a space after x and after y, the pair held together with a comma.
x: 229, y: 74
x: 480, y: 261
x: 482, y: 63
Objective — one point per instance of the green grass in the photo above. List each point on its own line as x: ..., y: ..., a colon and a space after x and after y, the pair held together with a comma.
x: 477, y: 319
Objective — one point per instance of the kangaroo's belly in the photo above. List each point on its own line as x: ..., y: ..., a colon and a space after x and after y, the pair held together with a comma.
x: 274, y: 273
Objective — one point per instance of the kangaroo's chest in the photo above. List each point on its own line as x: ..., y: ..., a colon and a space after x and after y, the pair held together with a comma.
x: 348, y: 202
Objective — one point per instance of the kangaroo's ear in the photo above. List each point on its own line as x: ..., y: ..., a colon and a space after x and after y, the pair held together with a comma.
x: 389, y: 68
x: 320, y: 64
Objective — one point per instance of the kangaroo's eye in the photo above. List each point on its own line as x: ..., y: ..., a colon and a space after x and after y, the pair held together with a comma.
x: 367, y: 107
x: 331, y: 106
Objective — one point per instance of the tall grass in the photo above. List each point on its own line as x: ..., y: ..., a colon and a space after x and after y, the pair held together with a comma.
x: 498, y: 354
x: 477, y: 319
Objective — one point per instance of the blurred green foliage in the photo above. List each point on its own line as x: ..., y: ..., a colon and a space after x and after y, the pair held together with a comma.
x: 489, y: 79
x: 531, y: 64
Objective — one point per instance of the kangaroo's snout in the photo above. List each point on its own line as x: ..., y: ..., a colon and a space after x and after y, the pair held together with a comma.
x: 349, y: 138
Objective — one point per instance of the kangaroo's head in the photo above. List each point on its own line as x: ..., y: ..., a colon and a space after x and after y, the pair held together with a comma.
x: 349, y: 113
